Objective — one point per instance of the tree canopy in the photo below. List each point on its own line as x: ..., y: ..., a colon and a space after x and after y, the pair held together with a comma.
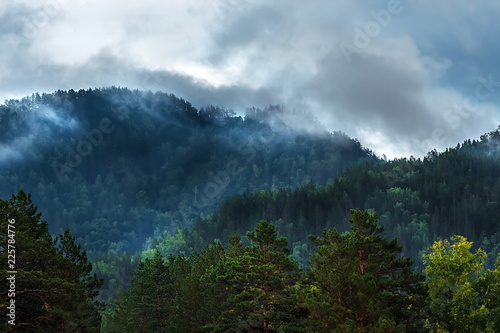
x: 54, y: 288
x: 463, y: 298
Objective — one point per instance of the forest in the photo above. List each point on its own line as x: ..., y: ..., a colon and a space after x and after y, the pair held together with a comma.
x: 356, y: 281
x: 418, y: 201
x: 162, y: 164
x: 162, y: 217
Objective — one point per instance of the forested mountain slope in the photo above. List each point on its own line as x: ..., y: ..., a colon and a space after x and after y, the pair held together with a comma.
x: 118, y: 166
x: 456, y: 192
x: 122, y: 167
x: 356, y: 281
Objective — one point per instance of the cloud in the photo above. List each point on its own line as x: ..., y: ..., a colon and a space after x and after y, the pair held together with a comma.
x: 397, y: 95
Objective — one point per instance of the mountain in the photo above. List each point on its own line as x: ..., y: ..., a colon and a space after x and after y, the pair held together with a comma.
x: 118, y: 166
x: 130, y: 170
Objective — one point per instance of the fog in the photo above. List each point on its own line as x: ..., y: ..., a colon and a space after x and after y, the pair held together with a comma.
x: 370, y: 69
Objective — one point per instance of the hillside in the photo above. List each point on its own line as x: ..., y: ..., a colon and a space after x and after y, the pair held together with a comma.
x: 456, y: 192
x: 118, y: 166
x: 152, y: 186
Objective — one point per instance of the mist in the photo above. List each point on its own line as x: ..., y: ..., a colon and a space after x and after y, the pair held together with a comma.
x: 395, y: 87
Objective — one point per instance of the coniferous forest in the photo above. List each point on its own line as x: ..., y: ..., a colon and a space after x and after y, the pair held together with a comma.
x: 134, y: 211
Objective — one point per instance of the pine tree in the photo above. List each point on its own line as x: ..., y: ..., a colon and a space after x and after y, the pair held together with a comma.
x: 54, y: 290
x: 203, y: 293
x: 260, y: 277
x: 151, y: 303
x: 358, y: 282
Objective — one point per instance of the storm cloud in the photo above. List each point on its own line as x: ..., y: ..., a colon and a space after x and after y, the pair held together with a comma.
x: 403, y: 77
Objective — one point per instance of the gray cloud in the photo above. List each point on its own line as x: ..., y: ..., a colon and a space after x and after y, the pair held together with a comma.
x: 397, y: 95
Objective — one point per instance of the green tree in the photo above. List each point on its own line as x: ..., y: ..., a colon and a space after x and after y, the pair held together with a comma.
x: 358, y: 283
x: 260, y: 278
x: 151, y: 302
x: 54, y: 290
x: 203, y: 293
x: 488, y: 289
x: 176, y: 295
x: 461, y: 300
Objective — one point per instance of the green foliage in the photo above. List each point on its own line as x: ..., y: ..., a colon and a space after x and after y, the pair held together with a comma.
x: 461, y: 299
x: 356, y: 282
x: 487, y: 287
x: 163, y: 165
x: 151, y: 302
x: 359, y: 283
x: 236, y: 289
x: 115, y: 269
x: 204, y: 292
x: 260, y: 278
x: 173, y: 295
x: 168, y: 244
x: 455, y: 192
x: 54, y: 289
x: 168, y: 165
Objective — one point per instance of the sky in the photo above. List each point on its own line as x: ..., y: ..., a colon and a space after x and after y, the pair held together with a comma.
x: 403, y: 77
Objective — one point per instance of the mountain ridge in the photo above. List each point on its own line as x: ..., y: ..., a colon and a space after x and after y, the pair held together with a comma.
x: 119, y: 166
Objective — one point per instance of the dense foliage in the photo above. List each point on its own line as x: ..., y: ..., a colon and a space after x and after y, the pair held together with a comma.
x: 120, y: 166
x: 454, y: 192
x: 461, y: 299
x: 52, y: 288
x: 357, y: 282
x: 128, y: 170
x: 360, y: 282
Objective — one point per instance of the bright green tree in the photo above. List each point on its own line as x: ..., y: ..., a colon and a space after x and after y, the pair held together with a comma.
x: 461, y: 300
x: 358, y: 282
x: 54, y: 290
x: 488, y: 288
